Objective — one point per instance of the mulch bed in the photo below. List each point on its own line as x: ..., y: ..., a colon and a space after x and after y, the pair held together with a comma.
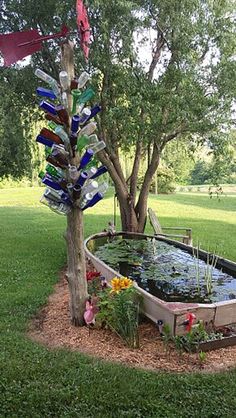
x: 52, y: 328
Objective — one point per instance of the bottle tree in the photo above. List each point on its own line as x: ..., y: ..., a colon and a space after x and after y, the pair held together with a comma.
x: 72, y: 167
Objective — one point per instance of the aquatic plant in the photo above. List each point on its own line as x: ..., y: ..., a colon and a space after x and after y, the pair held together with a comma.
x: 208, y: 275
x: 196, y: 265
x: 171, y: 274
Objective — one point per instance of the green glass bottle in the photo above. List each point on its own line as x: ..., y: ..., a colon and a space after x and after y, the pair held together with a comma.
x: 55, y: 172
x: 87, y: 95
x: 52, y: 125
x: 48, y: 151
x: 83, y: 140
x: 41, y: 174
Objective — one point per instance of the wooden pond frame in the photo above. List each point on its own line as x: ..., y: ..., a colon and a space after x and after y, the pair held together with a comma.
x: 173, y: 313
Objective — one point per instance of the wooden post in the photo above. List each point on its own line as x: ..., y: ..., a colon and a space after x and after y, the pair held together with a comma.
x: 76, y: 273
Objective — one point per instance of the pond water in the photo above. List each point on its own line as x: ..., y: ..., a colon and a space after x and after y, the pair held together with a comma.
x: 166, y: 271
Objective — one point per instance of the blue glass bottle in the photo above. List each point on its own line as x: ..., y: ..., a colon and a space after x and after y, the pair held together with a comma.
x: 82, y: 179
x: 94, y: 111
x: 48, y: 181
x: 75, y: 123
x: 44, y: 141
x: 46, y: 93
x: 101, y: 170
x: 96, y: 198
x: 88, y: 155
x: 48, y: 107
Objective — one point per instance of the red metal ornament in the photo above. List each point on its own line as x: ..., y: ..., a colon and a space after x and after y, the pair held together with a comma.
x: 83, y: 27
x: 17, y: 45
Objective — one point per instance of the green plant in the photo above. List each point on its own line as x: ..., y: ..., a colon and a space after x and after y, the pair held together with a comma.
x: 211, y: 262
x: 202, y: 357
x: 166, y: 336
x: 208, y: 275
x: 120, y: 312
x: 197, y: 267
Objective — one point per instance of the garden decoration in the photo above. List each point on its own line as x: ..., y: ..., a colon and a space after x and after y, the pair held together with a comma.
x: 188, y: 323
x: 72, y: 175
x: 17, y: 45
x: 69, y: 184
x: 90, y: 311
x: 83, y: 27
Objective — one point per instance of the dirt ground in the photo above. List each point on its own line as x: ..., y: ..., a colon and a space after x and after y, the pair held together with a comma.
x: 52, y: 327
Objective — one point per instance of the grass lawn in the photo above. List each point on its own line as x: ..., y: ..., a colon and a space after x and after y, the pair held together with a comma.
x: 37, y: 382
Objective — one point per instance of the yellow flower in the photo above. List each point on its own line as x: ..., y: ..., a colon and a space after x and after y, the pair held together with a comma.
x: 120, y: 283
x: 126, y: 283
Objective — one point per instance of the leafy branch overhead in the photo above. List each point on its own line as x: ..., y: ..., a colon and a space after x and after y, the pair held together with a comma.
x: 164, y: 70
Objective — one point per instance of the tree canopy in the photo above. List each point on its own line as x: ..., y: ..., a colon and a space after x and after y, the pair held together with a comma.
x: 185, y: 89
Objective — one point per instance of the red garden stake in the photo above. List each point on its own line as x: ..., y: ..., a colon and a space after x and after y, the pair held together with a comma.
x: 190, y: 317
x: 83, y: 27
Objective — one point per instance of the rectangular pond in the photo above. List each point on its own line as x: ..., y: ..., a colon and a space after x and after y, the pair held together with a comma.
x: 172, y: 277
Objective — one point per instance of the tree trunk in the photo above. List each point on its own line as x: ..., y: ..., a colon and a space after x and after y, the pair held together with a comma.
x: 129, y: 220
x: 76, y: 273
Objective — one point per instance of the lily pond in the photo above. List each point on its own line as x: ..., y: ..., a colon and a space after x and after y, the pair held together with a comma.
x: 166, y: 271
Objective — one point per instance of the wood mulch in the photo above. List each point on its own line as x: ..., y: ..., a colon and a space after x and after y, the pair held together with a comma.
x: 52, y: 328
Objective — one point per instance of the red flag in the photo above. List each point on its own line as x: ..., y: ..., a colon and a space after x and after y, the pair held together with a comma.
x: 83, y: 27
x: 17, y: 45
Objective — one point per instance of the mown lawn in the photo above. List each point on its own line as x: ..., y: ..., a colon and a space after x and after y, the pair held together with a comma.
x: 37, y: 382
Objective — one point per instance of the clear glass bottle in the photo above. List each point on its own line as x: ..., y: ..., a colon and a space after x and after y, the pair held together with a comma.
x: 98, y: 147
x: 64, y: 80
x: 83, y: 79
x: 88, y: 129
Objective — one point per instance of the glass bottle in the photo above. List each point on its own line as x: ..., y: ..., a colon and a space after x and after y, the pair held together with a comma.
x: 82, y: 179
x: 45, y: 93
x: 43, y: 76
x: 85, y: 115
x: 87, y: 95
x: 101, y: 170
x: 98, y: 147
x: 75, y: 94
x: 62, y: 134
x: 63, y: 114
x: 64, y: 80
x: 83, y: 79
x: 53, y: 118
x: 48, y: 107
x: 42, y: 140
x: 94, y: 111
x: 64, y: 100
x: 60, y: 208
x: 50, y: 135
x: 88, y: 155
x: 85, y: 141
x: 84, y: 200
x: 73, y: 172
x: 91, y: 172
x: 88, y: 129
x: 75, y: 123
x: 53, y: 171
x: 91, y: 187
x: 95, y: 199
